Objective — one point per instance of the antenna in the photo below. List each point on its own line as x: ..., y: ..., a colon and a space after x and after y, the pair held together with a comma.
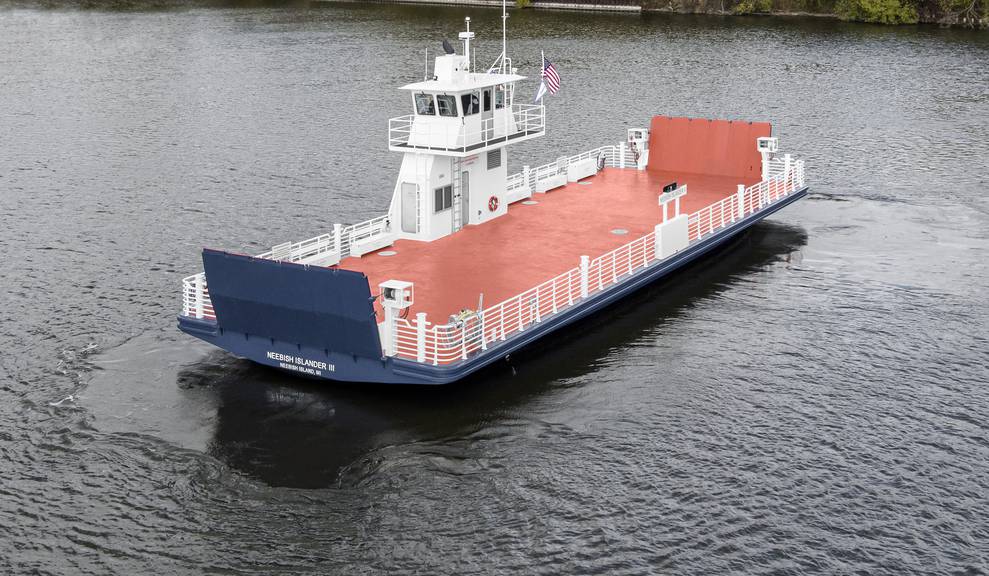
x: 466, y: 36
x: 504, y: 36
x: 425, y: 68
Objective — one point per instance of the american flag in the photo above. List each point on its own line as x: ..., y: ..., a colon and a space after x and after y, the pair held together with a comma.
x: 551, y: 76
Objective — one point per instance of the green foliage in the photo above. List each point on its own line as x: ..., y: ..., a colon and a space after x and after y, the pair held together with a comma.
x: 969, y: 13
x: 753, y: 7
x: 879, y: 11
x: 523, y: 3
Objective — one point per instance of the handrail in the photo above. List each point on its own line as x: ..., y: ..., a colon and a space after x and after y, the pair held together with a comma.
x: 195, y: 294
x: 325, y: 243
x: 525, y: 119
x: 458, y: 339
x: 195, y: 298
x: 611, y: 155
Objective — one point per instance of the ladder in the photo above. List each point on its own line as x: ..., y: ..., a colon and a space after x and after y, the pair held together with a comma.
x: 458, y: 185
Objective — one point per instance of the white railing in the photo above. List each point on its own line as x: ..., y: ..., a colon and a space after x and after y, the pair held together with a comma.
x: 437, y: 133
x: 338, y: 242
x: 776, y: 166
x: 713, y: 217
x: 476, y: 331
x: 195, y: 298
x: 521, y: 184
x: 752, y: 199
x: 516, y: 188
x: 529, y: 118
x: 335, y: 245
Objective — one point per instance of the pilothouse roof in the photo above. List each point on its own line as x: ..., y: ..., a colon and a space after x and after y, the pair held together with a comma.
x: 453, y: 72
x: 470, y: 81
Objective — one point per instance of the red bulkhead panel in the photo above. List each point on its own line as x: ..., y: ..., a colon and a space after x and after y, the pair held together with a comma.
x: 702, y: 146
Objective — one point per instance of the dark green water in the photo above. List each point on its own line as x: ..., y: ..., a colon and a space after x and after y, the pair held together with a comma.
x: 813, y: 400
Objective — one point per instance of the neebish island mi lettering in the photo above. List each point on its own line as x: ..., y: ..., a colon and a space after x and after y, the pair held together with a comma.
x: 300, y: 364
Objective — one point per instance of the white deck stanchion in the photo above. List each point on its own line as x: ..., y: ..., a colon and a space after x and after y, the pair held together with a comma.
x: 199, y: 295
x: 585, y: 264
x: 436, y: 346
x: 659, y: 241
x: 421, y: 336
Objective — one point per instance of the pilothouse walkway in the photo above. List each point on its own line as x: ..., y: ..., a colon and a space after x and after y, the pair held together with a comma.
x: 534, y: 242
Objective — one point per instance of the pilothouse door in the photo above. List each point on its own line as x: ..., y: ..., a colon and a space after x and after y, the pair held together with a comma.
x: 487, y: 114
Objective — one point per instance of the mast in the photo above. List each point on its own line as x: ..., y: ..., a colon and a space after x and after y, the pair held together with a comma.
x: 466, y: 36
x: 504, y: 38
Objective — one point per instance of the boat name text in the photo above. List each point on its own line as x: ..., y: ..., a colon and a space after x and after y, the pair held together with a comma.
x: 300, y: 364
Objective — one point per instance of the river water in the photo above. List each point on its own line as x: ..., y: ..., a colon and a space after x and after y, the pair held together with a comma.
x: 812, y: 400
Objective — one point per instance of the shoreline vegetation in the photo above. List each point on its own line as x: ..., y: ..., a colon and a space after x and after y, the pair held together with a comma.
x: 960, y: 13
x: 965, y: 13
x: 972, y: 14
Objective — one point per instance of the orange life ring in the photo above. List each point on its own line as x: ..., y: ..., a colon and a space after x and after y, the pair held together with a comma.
x: 493, y: 203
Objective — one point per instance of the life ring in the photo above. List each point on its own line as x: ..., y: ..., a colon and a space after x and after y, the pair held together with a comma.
x: 493, y: 203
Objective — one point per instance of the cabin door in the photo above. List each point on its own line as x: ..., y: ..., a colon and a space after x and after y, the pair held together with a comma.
x: 410, y: 207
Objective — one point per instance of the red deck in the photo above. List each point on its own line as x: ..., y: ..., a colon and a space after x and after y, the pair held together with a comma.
x: 534, y: 243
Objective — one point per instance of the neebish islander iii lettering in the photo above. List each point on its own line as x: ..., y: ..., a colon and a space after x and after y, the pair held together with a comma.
x: 300, y: 364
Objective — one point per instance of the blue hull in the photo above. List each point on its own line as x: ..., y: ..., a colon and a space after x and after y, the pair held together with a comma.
x: 315, y: 359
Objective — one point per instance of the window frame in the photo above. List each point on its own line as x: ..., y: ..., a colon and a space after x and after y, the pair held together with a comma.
x: 444, y: 194
x: 468, y: 97
x: 432, y: 103
x: 448, y: 98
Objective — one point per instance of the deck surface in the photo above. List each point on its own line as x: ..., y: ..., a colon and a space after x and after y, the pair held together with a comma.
x: 533, y: 243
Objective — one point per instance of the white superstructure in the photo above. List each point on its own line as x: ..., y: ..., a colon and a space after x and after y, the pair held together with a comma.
x: 454, y: 168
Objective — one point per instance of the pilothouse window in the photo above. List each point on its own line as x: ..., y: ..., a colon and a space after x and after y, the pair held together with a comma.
x: 447, y: 105
x: 471, y: 103
x: 424, y: 105
x: 499, y: 97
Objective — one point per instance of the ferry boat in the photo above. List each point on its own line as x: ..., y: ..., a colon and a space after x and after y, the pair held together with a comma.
x: 470, y: 263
